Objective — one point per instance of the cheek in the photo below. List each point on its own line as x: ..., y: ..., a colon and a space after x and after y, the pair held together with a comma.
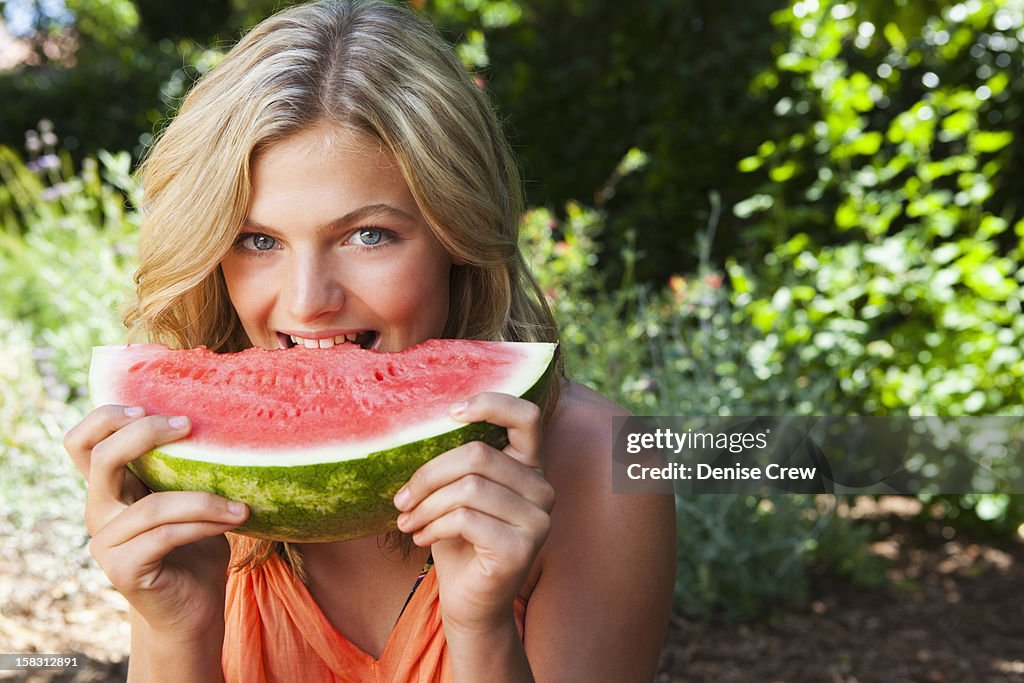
x: 247, y: 298
x: 418, y: 298
x: 422, y: 304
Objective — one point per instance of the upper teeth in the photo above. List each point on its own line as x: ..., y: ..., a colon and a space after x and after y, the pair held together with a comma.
x: 324, y: 343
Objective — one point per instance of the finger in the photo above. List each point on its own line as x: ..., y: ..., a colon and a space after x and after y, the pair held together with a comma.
x: 521, y: 417
x: 136, y: 542
x: 106, y: 467
x: 172, y: 508
x: 477, y: 493
x: 485, y: 532
x: 111, y: 486
x: 128, y: 564
x: 136, y: 563
x: 481, y: 459
x: 94, y: 428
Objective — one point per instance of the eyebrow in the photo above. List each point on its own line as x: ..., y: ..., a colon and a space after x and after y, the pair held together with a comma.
x: 352, y: 217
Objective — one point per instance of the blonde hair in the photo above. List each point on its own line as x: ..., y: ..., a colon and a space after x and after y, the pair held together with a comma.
x: 371, y: 67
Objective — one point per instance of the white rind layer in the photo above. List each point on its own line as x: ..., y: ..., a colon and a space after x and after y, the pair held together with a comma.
x: 112, y: 361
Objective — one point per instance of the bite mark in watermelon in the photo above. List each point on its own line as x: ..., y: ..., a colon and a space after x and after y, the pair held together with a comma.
x: 315, y: 441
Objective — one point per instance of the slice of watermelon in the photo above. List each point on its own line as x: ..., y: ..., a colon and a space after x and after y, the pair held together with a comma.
x: 315, y: 441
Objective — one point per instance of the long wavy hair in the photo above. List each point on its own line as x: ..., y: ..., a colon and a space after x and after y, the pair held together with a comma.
x: 373, y: 67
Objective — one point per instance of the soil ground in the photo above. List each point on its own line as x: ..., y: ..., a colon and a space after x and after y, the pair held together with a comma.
x: 953, y: 611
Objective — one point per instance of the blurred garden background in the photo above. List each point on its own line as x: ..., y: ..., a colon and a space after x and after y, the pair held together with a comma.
x: 738, y: 207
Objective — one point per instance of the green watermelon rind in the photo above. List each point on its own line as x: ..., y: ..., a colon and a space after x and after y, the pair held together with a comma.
x: 320, y: 502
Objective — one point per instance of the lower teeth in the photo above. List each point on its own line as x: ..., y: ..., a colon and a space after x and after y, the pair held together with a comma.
x: 364, y: 340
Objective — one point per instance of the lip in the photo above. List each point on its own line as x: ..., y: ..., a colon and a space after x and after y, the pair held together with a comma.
x: 322, y: 334
x: 286, y: 338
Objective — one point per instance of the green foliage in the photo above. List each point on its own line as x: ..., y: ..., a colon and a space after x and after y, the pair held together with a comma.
x: 918, y: 310
x: 94, y: 74
x: 38, y: 483
x: 200, y: 20
x: 865, y: 258
x: 900, y: 322
x: 582, y: 83
x: 109, y: 23
x: 66, y: 245
x: 688, y: 349
x: 845, y: 83
x: 110, y: 76
x: 564, y: 256
x: 742, y: 556
x: 893, y: 209
x: 891, y: 125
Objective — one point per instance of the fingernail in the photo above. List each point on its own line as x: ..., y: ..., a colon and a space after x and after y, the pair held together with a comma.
x: 402, y: 519
x: 402, y: 498
x: 178, y: 422
x: 459, y: 408
x: 237, y: 509
x: 134, y: 411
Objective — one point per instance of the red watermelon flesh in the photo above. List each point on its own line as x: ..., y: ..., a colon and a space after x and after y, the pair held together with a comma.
x: 315, y: 441
x: 309, y: 397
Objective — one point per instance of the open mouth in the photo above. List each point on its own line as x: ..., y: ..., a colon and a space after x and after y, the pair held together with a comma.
x: 366, y: 340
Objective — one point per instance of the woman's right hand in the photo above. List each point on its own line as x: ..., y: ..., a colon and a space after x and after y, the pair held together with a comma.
x: 165, y: 552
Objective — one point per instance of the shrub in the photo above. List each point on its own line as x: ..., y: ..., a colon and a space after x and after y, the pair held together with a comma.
x: 65, y: 238
x: 68, y: 244
x: 688, y: 348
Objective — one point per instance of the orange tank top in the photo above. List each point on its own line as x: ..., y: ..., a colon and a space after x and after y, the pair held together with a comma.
x: 275, y: 632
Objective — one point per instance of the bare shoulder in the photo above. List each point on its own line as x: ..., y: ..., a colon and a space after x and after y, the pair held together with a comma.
x: 605, y: 575
x: 577, y: 451
x: 581, y: 427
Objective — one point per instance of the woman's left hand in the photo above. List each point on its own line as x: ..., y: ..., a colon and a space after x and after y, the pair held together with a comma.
x: 485, y: 512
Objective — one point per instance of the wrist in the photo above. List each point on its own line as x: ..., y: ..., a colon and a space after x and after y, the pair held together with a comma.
x: 487, y: 650
x: 500, y: 624
x: 171, y: 655
x: 206, y: 637
x: 201, y: 626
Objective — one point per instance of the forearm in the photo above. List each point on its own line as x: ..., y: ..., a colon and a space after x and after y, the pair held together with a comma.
x: 495, y: 653
x: 155, y: 658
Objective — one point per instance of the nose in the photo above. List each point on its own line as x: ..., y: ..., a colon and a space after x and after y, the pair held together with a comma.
x: 314, y: 288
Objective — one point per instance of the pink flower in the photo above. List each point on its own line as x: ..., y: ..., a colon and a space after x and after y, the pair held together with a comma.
x: 677, y: 283
x: 713, y: 280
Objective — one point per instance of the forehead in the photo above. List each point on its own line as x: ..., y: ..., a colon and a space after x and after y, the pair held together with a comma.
x: 323, y: 143
x: 326, y: 168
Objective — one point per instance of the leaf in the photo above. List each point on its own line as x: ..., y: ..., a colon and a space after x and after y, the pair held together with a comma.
x: 866, y: 144
x: 738, y: 279
x: 988, y: 282
x: 781, y: 174
x: 846, y: 216
x: 749, y: 164
x: 895, y: 37
x: 957, y: 124
x: 983, y: 141
x: 991, y: 226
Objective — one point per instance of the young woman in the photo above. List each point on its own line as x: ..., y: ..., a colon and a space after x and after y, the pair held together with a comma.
x: 338, y: 178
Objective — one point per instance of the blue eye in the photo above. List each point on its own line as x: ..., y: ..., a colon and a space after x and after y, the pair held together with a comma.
x: 255, y: 241
x: 369, y: 237
x: 263, y: 242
